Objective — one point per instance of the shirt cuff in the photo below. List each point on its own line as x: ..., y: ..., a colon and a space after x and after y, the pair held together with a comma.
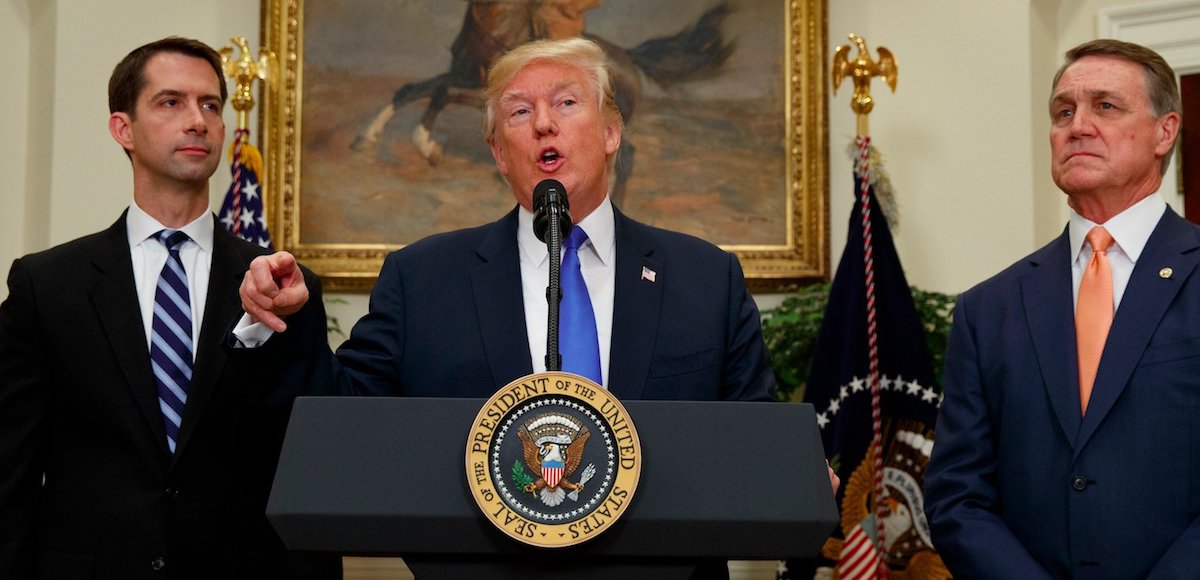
x: 251, y: 333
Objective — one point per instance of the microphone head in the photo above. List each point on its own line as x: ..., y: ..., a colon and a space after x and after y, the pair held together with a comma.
x: 546, y: 192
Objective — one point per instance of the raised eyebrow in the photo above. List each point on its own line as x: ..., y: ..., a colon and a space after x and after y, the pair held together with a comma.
x: 180, y: 94
x: 566, y: 85
x: 1107, y: 96
x: 166, y: 93
x: 508, y: 99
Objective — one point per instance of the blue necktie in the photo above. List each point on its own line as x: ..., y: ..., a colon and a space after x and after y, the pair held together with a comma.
x: 171, y: 336
x: 580, y: 346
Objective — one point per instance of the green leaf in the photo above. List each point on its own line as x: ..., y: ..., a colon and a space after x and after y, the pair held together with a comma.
x: 791, y: 329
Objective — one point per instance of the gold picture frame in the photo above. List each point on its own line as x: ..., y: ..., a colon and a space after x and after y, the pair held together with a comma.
x: 797, y: 249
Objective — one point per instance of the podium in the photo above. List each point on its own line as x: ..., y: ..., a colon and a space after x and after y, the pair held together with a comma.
x: 385, y: 476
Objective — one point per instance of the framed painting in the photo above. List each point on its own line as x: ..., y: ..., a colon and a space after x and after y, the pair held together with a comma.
x: 373, y: 131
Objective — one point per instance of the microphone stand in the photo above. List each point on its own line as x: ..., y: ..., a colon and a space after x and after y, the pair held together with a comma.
x: 554, y: 290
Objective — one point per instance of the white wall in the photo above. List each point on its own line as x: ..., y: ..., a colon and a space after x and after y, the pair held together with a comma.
x: 956, y: 135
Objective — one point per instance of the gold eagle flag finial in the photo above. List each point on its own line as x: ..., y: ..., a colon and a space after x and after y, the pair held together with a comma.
x: 243, y: 71
x: 861, y: 69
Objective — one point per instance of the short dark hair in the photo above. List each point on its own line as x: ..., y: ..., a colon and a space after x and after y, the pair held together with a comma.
x: 129, y: 76
x: 1161, y: 88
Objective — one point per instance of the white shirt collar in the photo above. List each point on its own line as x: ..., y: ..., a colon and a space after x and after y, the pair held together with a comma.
x: 1130, y: 229
x: 140, y: 226
x: 600, y: 226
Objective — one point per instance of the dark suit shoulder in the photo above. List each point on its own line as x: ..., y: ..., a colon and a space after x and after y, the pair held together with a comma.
x: 67, y: 252
x: 676, y: 241
x: 440, y: 243
x: 455, y: 249
x: 1007, y: 279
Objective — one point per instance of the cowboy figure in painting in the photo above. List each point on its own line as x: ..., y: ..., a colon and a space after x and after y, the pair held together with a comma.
x: 490, y: 28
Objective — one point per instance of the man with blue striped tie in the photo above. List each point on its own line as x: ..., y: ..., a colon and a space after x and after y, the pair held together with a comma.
x: 131, y: 446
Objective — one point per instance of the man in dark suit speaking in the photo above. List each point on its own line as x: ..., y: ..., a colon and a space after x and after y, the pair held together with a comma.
x: 1068, y: 444
x: 462, y: 314
x: 130, y: 446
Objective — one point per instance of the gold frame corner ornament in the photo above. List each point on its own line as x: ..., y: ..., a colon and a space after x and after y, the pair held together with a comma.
x: 802, y: 257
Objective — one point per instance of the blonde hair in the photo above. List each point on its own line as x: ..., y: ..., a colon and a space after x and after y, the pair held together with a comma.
x: 577, y: 52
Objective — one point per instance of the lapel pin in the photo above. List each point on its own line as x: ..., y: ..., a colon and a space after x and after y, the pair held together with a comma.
x: 1165, y: 273
x: 648, y: 274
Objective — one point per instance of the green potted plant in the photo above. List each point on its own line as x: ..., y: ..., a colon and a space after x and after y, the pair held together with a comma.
x: 791, y: 331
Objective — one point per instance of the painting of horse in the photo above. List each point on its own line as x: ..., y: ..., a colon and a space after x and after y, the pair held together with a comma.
x: 392, y: 147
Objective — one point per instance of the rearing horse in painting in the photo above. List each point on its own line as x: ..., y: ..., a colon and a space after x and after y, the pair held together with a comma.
x: 492, y: 27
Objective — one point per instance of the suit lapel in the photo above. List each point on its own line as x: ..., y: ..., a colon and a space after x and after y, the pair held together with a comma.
x: 116, y: 302
x: 1047, y: 296
x: 221, y: 306
x: 1145, y: 302
x: 637, y: 306
x: 497, y: 281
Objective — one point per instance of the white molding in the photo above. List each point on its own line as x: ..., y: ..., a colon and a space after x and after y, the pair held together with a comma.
x: 1171, y: 27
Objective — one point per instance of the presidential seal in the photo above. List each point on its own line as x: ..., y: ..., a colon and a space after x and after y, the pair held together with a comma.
x: 553, y: 459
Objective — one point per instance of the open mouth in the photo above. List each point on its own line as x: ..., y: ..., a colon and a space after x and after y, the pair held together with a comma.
x: 549, y: 158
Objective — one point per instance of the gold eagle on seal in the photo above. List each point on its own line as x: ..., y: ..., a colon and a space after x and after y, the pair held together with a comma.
x: 553, y: 449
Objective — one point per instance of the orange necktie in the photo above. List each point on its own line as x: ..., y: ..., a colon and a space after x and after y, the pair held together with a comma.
x: 1094, y: 312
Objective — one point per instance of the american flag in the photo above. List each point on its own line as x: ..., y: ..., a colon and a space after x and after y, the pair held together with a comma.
x: 873, y: 387
x: 242, y: 213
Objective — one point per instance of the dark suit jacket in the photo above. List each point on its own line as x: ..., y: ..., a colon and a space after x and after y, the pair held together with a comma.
x: 78, y: 405
x: 447, y: 320
x: 1020, y: 485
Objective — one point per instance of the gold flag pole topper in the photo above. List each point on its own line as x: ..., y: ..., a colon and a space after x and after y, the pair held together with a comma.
x: 861, y: 69
x: 860, y: 555
x: 244, y: 71
x: 243, y: 212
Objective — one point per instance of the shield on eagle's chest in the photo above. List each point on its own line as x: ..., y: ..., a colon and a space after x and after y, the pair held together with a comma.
x: 552, y: 472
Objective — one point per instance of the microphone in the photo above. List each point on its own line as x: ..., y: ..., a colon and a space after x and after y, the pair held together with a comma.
x: 550, y: 206
x: 548, y: 195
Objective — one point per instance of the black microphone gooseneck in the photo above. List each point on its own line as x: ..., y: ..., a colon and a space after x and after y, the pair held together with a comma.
x: 550, y: 206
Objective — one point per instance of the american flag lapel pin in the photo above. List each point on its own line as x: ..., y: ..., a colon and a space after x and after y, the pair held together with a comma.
x: 648, y: 274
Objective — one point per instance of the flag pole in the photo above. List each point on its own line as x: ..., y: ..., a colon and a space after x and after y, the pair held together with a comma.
x: 243, y: 211
x: 861, y: 70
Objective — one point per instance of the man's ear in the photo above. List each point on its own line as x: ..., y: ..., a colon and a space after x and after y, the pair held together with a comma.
x: 1168, y: 130
x: 612, y: 138
x: 120, y: 126
x: 498, y: 155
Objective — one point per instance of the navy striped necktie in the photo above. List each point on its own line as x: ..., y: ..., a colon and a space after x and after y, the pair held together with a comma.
x: 577, y: 321
x: 171, y: 336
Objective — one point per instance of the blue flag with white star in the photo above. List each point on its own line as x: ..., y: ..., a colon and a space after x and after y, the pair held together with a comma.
x: 242, y: 212
x: 839, y: 388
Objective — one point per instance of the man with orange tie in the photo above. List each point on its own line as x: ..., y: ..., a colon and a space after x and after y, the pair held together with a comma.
x: 1069, y: 439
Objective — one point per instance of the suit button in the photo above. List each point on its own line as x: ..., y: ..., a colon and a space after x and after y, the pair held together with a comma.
x: 172, y: 492
x: 1078, y: 483
x: 158, y: 563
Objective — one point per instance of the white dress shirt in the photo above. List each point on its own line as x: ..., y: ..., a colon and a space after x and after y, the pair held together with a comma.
x: 1130, y: 230
x: 597, y: 261
x: 149, y: 256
